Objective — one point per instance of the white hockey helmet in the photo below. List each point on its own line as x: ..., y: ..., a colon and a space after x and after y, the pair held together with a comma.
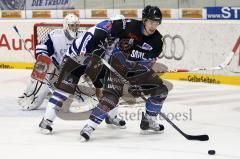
x: 71, y: 24
x: 117, y: 17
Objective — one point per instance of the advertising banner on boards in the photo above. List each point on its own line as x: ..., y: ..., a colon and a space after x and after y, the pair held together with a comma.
x: 35, y: 4
x: 223, y: 13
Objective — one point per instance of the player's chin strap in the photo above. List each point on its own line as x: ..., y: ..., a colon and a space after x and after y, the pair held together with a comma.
x: 189, y: 137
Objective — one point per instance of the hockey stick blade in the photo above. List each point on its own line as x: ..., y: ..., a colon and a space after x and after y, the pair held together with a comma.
x: 197, y: 137
x: 189, y: 137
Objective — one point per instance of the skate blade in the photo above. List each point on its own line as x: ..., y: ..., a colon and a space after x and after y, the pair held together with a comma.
x: 45, y: 132
x: 112, y: 126
x: 82, y: 139
x: 150, y: 132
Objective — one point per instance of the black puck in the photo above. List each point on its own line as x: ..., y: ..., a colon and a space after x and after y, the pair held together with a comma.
x: 211, y: 152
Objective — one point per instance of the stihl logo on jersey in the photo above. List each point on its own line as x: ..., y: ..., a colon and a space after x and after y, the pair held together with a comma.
x: 137, y: 54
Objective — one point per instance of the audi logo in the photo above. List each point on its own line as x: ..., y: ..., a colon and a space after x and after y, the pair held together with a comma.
x: 173, y: 47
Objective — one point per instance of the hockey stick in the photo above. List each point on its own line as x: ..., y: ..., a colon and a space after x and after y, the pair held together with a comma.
x: 28, y: 50
x: 24, y: 44
x: 187, y: 136
x: 226, y: 62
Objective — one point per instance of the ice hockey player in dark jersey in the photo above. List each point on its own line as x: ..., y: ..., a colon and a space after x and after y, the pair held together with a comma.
x: 139, y: 45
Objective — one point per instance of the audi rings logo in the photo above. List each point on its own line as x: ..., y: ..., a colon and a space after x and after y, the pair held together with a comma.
x: 173, y: 47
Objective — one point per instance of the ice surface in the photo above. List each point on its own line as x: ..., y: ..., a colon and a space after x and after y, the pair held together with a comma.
x: 200, y: 109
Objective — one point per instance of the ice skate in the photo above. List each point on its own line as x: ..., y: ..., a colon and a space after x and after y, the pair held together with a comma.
x: 45, y: 126
x: 115, y: 122
x: 149, y: 125
x: 86, y: 133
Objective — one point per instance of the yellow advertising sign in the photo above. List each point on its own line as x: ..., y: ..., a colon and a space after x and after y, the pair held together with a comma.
x: 129, y: 13
x: 66, y: 12
x: 204, y: 78
x: 41, y: 14
x: 192, y: 13
x: 99, y: 13
x: 11, y: 14
x: 16, y: 65
x: 166, y: 13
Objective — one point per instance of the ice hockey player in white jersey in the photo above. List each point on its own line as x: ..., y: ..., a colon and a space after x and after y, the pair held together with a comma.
x: 53, y: 48
x: 73, y: 67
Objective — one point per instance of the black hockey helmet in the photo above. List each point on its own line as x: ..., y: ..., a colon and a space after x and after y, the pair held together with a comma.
x: 153, y: 13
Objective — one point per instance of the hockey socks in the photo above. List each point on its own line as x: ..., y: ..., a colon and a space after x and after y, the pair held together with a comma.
x: 154, y: 105
x: 97, y: 116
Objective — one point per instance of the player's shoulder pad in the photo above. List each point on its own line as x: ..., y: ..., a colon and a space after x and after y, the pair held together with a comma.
x: 105, y: 25
x: 126, y: 23
x: 132, y: 21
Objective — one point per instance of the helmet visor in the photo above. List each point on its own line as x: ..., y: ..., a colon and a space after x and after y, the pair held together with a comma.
x: 73, y: 27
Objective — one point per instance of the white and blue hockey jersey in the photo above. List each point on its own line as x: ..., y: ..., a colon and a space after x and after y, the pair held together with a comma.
x: 55, y: 46
x: 86, y: 44
x: 82, y: 44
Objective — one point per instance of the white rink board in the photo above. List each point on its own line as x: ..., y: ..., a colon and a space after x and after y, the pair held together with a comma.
x: 207, y: 43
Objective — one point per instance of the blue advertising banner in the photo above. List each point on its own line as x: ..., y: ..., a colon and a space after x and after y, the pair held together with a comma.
x: 12, y: 4
x: 223, y: 13
x: 35, y: 4
x: 49, y: 4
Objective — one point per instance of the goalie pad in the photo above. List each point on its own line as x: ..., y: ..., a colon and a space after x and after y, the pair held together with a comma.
x: 41, y: 67
x: 37, y: 91
x: 34, y: 95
